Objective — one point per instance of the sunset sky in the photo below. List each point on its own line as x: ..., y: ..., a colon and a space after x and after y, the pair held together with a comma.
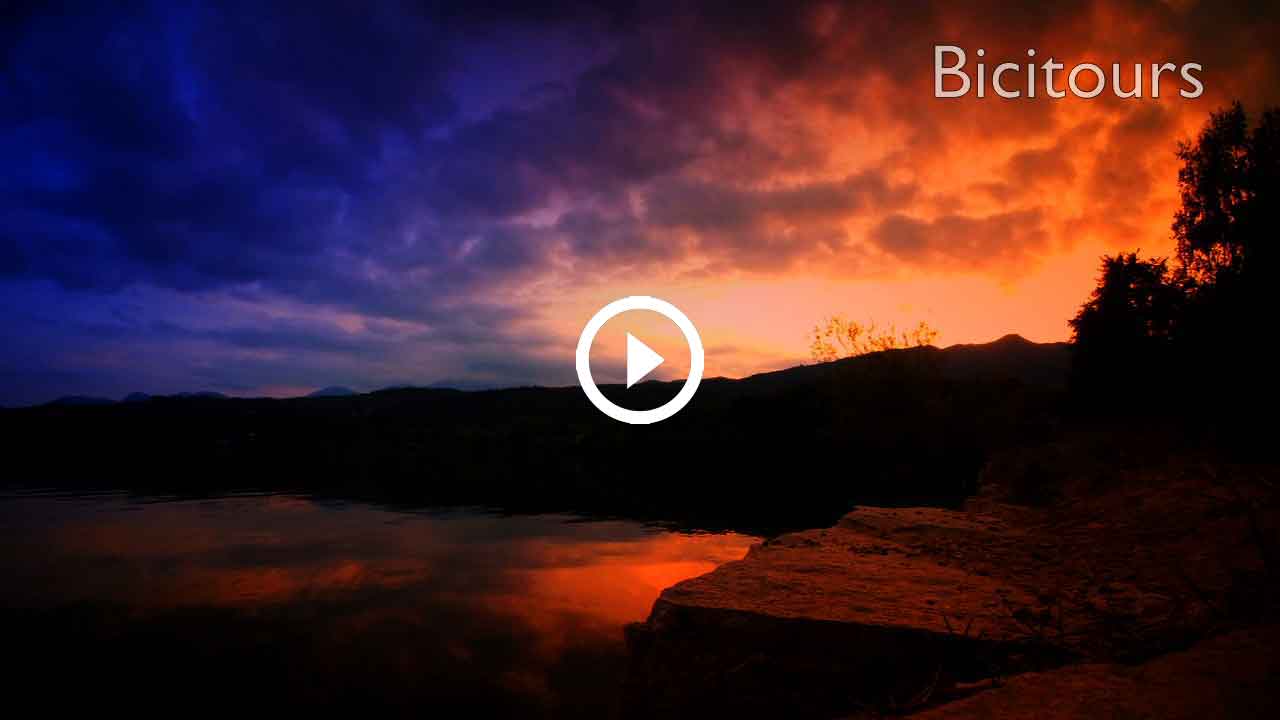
x: 257, y: 201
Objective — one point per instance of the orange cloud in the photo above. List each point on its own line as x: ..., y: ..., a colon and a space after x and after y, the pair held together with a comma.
x: 831, y: 180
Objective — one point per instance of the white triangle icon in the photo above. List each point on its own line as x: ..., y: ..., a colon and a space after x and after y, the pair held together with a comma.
x: 641, y: 360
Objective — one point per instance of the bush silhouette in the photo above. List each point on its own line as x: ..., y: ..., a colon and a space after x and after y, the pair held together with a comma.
x: 839, y: 337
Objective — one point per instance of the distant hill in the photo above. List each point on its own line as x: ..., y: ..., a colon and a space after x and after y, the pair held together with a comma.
x: 446, y: 384
x: 141, y: 397
x: 1011, y: 358
x: 333, y: 391
x: 207, y: 394
x: 791, y: 448
x: 74, y: 400
x: 131, y: 398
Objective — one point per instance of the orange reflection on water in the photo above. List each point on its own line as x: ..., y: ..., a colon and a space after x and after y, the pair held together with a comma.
x: 499, y: 615
x: 258, y: 550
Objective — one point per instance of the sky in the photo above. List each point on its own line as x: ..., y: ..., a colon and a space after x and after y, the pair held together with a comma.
x: 265, y: 200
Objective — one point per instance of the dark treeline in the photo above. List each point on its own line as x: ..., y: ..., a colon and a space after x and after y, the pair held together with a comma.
x: 795, y: 448
x: 1191, y: 334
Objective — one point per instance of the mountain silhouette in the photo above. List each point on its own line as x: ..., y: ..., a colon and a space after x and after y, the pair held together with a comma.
x: 332, y: 391
x: 73, y: 400
x: 782, y: 449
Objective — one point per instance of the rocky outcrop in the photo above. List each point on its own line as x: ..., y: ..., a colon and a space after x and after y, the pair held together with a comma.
x: 895, y: 608
x: 818, y: 622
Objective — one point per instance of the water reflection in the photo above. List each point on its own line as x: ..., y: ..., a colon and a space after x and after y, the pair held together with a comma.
x: 282, y: 600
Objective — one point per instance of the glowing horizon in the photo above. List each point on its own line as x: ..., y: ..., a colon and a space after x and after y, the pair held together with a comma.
x: 440, y: 198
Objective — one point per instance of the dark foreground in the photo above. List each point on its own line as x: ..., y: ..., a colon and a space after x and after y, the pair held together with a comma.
x: 1055, y: 544
x: 1139, y: 580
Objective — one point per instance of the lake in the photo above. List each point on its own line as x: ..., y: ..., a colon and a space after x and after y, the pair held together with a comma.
x: 256, y: 602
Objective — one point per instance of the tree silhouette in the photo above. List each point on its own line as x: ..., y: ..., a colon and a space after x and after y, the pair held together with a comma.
x: 1226, y: 231
x: 1127, y: 324
x: 1134, y: 306
x: 1198, y: 325
x: 1212, y: 183
x: 1227, y: 222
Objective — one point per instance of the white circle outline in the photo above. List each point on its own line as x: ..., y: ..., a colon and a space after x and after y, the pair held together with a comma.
x: 696, y: 360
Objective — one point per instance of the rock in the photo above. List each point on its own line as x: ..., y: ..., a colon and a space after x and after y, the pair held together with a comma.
x: 894, y: 607
x: 809, y: 624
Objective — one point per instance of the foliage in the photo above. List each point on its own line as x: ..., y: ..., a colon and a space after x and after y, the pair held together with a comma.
x: 1133, y: 308
x: 1228, y: 191
x: 1169, y: 325
x: 838, y: 337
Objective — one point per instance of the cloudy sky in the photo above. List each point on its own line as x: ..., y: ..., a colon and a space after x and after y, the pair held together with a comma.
x: 223, y: 196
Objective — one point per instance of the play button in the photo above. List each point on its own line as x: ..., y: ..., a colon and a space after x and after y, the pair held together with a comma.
x: 641, y: 360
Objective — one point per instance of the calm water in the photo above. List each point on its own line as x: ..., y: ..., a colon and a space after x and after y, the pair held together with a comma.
x: 251, y: 602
